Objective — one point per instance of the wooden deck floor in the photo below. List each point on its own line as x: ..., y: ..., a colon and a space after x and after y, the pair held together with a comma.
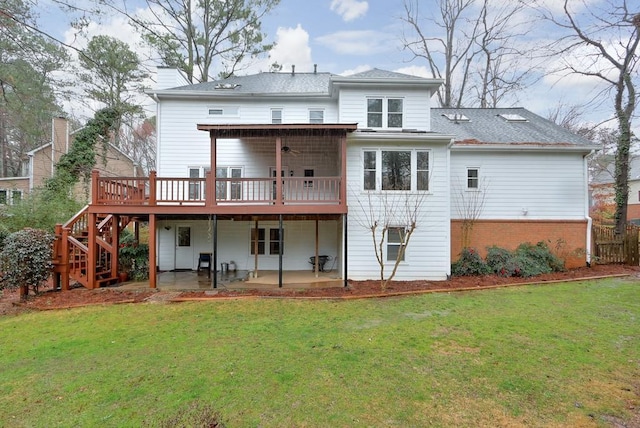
x: 240, y: 280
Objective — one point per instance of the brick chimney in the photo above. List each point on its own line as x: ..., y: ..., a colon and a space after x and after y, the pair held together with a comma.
x: 59, y: 138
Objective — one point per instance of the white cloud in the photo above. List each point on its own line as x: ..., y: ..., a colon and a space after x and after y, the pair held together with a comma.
x: 292, y: 48
x: 367, y: 42
x: 350, y: 9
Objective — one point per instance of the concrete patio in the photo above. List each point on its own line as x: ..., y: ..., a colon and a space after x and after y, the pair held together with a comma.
x: 239, y: 280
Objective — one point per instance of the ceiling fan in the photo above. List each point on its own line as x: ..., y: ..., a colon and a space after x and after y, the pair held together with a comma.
x: 287, y: 149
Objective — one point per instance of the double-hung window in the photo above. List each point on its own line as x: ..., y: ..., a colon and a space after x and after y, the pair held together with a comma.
x: 263, y: 239
x: 229, y: 189
x: 385, y: 112
x: 395, y: 243
x: 473, y: 179
x: 276, y: 115
x: 395, y: 170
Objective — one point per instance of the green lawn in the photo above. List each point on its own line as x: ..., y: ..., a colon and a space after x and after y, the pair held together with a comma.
x: 555, y: 355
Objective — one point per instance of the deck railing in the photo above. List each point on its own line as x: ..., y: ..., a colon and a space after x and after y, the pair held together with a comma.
x: 154, y: 191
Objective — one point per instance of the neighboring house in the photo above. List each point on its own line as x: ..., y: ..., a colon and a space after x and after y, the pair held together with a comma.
x: 39, y: 165
x: 270, y: 170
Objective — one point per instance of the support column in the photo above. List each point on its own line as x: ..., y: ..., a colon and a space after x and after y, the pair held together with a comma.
x: 153, y: 271
x: 280, y: 244
x: 214, y: 256
x: 278, y: 176
x: 255, y: 250
x: 343, y: 170
x: 345, y: 250
x: 211, y: 193
x: 115, y: 245
x: 92, y: 257
x: 316, y: 264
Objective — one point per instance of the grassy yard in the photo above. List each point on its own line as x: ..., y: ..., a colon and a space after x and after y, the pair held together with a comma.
x: 557, y: 355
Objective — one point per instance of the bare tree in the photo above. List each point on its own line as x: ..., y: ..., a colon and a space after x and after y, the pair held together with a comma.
x: 390, y: 218
x: 469, y: 205
x: 472, y: 45
x: 601, y: 42
x: 200, y: 36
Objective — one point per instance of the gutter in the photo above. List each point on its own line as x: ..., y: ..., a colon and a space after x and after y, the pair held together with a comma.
x: 586, y: 209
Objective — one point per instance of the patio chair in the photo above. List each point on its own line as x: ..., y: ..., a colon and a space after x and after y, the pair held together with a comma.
x: 204, y: 262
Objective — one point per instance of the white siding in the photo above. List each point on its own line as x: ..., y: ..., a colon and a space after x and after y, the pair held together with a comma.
x: 234, y: 239
x: 181, y: 145
x: 523, y: 185
x: 169, y: 78
x: 427, y: 255
x: 416, y: 106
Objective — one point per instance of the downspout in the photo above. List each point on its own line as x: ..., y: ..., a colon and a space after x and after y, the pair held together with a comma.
x: 586, y: 208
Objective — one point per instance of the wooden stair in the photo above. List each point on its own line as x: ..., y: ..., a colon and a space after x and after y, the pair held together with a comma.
x: 75, y: 257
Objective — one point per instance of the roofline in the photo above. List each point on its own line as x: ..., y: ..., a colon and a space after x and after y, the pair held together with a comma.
x: 32, y: 152
x: 523, y: 147
x: 382, y: 81
x: 248, y: 130
x: 382, y: 135
x: 233, y: 95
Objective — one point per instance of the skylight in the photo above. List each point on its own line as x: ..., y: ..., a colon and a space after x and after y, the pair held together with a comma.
x: 512, y: 117
x: 456, y: 117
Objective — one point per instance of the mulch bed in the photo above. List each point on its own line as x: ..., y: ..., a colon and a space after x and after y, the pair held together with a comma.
x: 49, y: 299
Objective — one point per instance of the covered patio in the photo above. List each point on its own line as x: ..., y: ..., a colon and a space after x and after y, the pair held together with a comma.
x: 240, y: 280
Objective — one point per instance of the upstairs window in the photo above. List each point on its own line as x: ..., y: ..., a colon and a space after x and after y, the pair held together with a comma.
x: 385, y: 112
x: 316, y: 116
x: 396, y: 170
x: 276, y: 115
x: 369, y: 170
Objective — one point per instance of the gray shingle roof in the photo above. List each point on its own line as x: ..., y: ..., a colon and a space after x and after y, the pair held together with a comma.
x: 376, y: 73
x: 266, y: 83
x: 487, y: 126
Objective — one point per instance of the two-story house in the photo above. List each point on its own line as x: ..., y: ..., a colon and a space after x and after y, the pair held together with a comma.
x: 276, y: 170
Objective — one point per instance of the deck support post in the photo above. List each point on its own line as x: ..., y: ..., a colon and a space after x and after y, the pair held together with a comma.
x: 316, y: 267
x: 280, y: 242
x: 255, y: 249
x: 92, y: 257
x: 153, y: 271
x: 115, y: 245
x: 278, y: 172
x: 345, y: 249
x: 215, y: 251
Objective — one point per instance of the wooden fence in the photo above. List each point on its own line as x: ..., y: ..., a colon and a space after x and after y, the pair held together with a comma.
x: 610, y: 247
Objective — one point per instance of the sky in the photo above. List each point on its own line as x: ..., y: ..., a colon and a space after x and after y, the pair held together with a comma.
x: 344, y: 37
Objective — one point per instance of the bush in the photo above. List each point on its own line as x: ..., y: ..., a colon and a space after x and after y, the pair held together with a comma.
x: 4, y: 234
x: 470, y: 263
x: 133, y: 257
x: 25, y: 260
x: 500, y: 261
x: 541, y: 256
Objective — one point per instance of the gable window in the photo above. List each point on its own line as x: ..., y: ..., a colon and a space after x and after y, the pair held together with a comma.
x: 473, y: 178
x: 316, y: 116
x: 276, y: 115
x: 395, y: 243
x: 392, y: 170
x: 384, y: 112
x: 262, y: 238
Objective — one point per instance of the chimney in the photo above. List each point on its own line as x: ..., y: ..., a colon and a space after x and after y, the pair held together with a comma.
x: 315, y: 68
x: 293, y: 69
x: 59, y: 138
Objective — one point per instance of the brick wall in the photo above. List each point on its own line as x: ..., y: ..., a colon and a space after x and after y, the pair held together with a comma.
x: 509, y: 234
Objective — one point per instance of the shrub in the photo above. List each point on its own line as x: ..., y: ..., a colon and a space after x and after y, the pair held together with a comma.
x: 25, y: 260
x: 541, y: 256
x: 500, y: 261
x: 470, y: 263
x: 133, y: 257
x: 4, y: 234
